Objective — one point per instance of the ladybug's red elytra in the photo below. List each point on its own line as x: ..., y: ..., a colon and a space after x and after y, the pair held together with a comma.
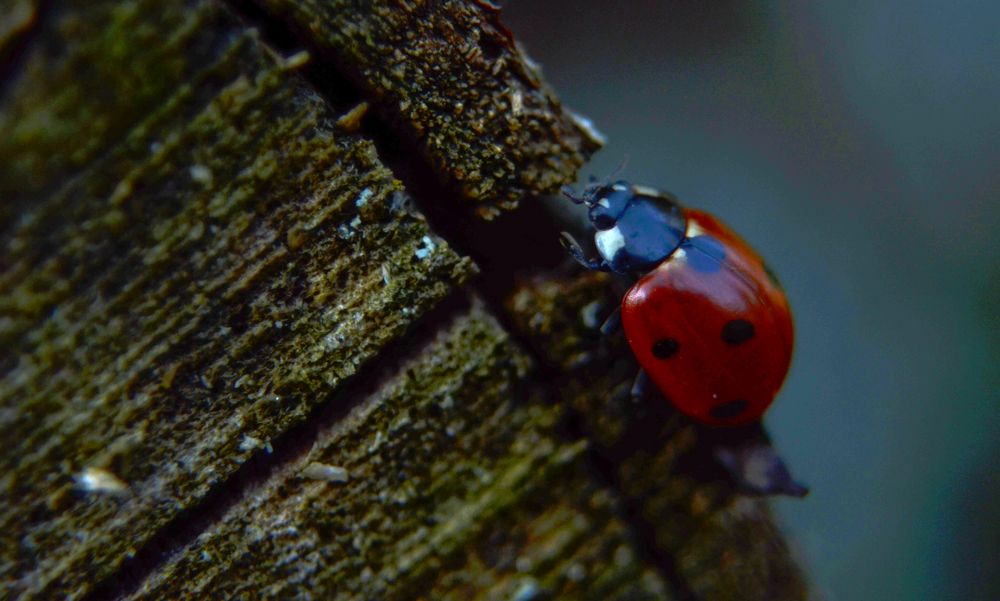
x: 707, y: 320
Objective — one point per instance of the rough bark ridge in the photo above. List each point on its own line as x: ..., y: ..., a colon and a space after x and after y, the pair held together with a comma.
x: 238, y: 362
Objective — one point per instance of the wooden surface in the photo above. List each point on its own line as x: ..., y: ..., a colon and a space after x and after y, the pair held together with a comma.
x: 449, y: 76
x: 237, y: 362
x: 440, y: 460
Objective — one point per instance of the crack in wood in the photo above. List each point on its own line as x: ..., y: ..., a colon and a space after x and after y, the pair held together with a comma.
x: 286, y: 448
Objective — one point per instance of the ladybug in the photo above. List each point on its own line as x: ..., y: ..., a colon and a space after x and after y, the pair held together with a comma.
x: 706, y: 319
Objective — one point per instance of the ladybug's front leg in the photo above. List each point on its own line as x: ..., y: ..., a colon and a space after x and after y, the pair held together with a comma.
x: 641, y: 384
x: 613, y: 322
x: 571, y: 245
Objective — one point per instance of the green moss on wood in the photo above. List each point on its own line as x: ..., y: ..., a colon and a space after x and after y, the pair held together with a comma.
x: 204, y: 284
x: 562, y: 540
x: 454, y: 490
x: 95, y: 70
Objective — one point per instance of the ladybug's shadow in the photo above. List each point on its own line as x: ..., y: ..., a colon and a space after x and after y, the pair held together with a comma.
x: 747, y: 457
x: 734, y: 459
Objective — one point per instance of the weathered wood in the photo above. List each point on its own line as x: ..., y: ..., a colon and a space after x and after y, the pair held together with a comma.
x: 440, y: 463
x: 451, y: 78
x: 235, y: 362
x: 93, y: 72
x: 188, y: 297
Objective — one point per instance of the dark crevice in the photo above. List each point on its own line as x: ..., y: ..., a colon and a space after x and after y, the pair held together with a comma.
x: 511, y: 245
x: 15, y: 48
x: 508, y: 250
x: 287, y: 447
x: 644, y: 433
x: 321, y: 73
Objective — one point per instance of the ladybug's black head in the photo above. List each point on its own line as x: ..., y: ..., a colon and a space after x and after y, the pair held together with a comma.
x: 606, y: 203
x: 637, y: 227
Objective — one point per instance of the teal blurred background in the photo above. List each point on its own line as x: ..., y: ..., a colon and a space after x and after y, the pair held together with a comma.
x: 857, y: 146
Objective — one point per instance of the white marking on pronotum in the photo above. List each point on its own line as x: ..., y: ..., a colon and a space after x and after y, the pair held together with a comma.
x: 609, y: 242
x: 100, y: 480
x: 604, y: 203
x: 619, y: 187
x: 641, y: 190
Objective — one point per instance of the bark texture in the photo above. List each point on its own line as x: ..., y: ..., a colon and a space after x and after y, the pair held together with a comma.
x: 236, y: 361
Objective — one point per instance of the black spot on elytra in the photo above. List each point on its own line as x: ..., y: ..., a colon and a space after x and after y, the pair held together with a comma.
x: 665, y: 348
x: 737, y: 331
x: 728, y: 410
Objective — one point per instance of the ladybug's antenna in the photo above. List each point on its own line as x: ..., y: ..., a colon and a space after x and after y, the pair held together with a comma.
x: 594, y: 184
x: 618, y: 170
x: 570, y: 193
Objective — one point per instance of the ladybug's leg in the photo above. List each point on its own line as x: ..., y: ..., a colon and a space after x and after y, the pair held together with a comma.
x: 641, y: 384
x: 613, y: 322
x: 571, y: 245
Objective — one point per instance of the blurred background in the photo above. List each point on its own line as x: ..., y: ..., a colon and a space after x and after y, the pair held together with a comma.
x: 857, y: 146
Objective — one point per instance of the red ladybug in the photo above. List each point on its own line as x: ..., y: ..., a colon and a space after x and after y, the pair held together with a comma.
x: 706, y: 319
